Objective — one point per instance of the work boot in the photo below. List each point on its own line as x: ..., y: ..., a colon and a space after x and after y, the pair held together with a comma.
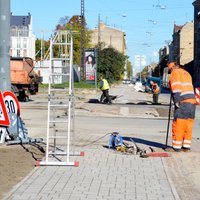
x: 184, y: 149
x: 172, y: 150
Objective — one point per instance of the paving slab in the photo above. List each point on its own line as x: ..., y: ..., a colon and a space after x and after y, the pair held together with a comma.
x: 102, y: 174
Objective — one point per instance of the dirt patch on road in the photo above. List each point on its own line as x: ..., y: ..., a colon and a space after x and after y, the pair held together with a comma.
x: 164, y: 112
x: 16, y: 162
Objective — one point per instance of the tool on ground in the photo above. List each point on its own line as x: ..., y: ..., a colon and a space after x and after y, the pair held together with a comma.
x: 141, y: 152
x: 112, y: 97
x: 168, y: 124
x: 144, y: 154
x: 116, y: 142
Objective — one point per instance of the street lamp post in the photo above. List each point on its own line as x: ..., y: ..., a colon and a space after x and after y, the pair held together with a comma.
x: 5, y: 83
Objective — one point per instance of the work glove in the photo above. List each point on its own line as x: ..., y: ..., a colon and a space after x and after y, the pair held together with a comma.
x: 177, y: 105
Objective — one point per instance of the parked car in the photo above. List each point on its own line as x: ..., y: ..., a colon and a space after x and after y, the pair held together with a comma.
x: 133, y: 80
x: 126, y: 81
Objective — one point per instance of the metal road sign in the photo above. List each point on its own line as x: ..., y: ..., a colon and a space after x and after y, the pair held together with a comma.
x: 11, y: 103
x: 4, y: 119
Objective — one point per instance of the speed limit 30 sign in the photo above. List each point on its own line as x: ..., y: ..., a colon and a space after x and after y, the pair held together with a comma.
x: 8, y: 104
x: 4, y: 119
x: 11, y: 103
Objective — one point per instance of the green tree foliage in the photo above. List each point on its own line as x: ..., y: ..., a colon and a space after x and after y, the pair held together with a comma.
x: 129, y: 69
x: 41, y: 47
x: 73, y: 24
x: 111, y: 64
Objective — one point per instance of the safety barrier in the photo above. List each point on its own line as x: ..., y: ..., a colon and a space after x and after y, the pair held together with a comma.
x: 197, y: 94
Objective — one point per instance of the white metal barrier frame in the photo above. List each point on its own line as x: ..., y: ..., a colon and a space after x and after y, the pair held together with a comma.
x: 64, y: 41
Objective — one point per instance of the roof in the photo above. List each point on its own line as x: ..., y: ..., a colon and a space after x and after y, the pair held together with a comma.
x: 104, y: 26
x: 177, y: 28
x: 20, y: 20
x: 196, y: 2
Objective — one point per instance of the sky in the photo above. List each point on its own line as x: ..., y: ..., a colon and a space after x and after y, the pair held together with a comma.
x: 148, y: 24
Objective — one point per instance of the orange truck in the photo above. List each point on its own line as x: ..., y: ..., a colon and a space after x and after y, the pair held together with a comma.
x: 24, y: 80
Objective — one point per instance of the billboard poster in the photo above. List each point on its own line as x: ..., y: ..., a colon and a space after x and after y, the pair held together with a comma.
x: 90, y: 64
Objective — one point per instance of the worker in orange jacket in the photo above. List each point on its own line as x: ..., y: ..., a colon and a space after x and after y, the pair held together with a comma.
x: 184, y: 100
x: 156, y: 90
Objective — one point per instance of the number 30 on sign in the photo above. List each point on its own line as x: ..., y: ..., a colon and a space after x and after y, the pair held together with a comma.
x: 11, y: 103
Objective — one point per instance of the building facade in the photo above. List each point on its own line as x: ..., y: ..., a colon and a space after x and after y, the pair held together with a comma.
x: 22, y: 39
x: 182, y: 45
x: 109, y: 37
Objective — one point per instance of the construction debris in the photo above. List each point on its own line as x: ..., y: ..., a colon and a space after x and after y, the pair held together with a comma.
x: 116, y: 142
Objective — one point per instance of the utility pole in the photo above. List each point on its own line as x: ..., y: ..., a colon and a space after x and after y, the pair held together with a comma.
x: 196, y: 70
x: 99, y: 32
x: 5, y: 83
x: 82, y: 41
x: 140, y: 68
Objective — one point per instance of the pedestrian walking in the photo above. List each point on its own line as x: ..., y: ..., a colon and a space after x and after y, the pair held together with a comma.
x: 184, y: 100
x: 104, y: 87
x: 156, y: 90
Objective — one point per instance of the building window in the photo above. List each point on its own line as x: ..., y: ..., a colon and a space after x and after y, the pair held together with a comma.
x: 11, y: 42
x: 24, y: 43
x: 23, y: 31
x: 18, y: 53
x: 13, y: 31
x: 18, y: 43
x: 25, y: 53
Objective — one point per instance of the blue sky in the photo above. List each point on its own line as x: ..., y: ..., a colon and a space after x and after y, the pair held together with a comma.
x: 148, y: 24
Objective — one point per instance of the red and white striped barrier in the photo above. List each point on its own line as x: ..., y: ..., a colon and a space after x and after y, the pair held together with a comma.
x: 197, y: 93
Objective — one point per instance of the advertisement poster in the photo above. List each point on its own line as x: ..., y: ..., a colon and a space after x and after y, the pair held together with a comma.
x: 90, y: 64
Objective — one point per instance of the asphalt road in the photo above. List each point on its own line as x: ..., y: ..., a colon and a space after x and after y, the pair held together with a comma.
x: 128, y: 116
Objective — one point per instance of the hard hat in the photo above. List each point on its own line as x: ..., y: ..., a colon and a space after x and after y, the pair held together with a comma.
x: 171, y: 65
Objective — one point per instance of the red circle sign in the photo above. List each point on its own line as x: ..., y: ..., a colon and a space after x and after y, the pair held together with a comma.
x: 11, y: 103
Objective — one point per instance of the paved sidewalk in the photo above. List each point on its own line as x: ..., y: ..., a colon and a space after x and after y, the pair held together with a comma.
x: 102, y: 174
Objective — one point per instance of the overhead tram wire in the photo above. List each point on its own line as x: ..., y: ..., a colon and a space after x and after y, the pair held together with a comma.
x: 132, y: 9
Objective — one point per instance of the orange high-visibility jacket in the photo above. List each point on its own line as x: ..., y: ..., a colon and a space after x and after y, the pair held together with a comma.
x: 155, y: 88
x: 181, y: 86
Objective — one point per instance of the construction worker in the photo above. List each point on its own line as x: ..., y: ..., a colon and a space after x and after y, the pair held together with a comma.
x: 104, y: 87
x: 156, y: 90
x: 184, y: 100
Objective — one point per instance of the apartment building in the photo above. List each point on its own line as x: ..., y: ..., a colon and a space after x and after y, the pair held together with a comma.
x: 22, y: 39
x: 182, y: 45
x: 109, y: 37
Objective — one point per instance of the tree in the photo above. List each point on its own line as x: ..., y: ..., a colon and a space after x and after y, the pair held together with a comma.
x: 111, y: 64
x: 45, y: 46
x: 129, y: 69
x: 73, y: 24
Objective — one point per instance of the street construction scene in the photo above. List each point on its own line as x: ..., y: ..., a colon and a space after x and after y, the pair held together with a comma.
x: 103, y: 172
x: 103, y: 103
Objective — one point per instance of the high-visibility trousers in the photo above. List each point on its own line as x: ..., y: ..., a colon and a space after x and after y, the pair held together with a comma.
x: 182, y: 133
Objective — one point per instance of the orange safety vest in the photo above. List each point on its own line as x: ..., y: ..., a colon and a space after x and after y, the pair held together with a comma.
x: 155, y: 88
x: 181, y: 86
